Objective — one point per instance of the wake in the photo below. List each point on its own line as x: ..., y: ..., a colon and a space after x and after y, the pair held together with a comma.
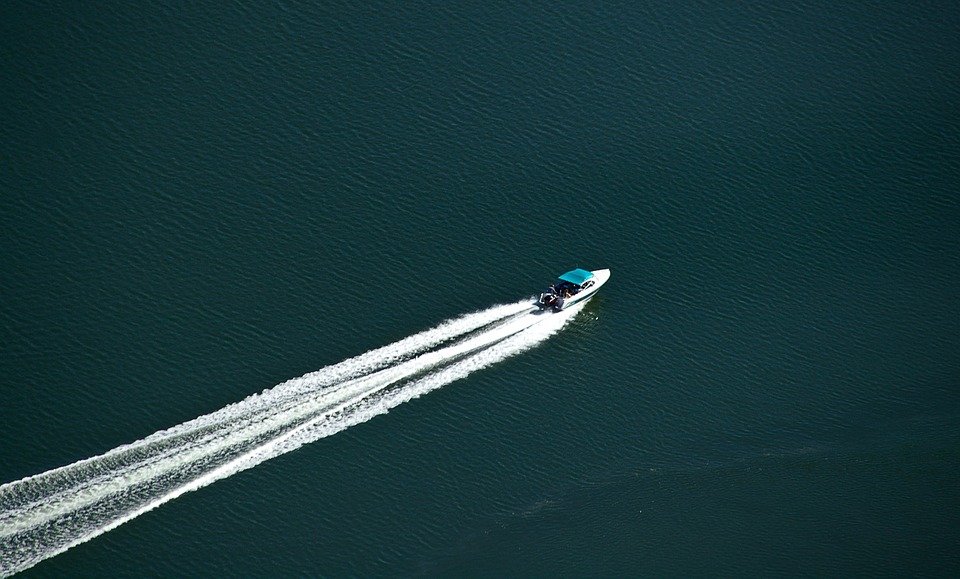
x: 46, y: 514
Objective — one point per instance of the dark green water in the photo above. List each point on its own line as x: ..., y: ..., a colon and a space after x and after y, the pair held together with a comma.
x: 201, y: 201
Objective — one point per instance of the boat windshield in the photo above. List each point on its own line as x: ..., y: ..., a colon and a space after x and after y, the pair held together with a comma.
x: 566, y: 288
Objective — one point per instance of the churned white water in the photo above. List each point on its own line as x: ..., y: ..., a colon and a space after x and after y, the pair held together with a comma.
x: 46, y: 514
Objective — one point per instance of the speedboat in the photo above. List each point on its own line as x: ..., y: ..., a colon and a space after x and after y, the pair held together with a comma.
x: 574, y: 287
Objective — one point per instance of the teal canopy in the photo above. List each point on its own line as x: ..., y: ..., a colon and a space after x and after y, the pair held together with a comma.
x: 577, y: 276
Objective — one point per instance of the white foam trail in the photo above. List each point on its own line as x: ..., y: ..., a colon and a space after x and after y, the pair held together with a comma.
x: 316, y: 387
x: 46, y: 514
x: 352, y: 367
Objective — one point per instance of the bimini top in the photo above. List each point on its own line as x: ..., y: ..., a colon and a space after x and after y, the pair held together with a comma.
x: 577, y: 276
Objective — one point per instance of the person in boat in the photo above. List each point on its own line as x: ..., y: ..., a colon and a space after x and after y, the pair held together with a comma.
x: 563, y: 289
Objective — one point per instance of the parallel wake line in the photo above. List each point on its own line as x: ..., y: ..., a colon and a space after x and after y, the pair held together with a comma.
x: 46, y: 514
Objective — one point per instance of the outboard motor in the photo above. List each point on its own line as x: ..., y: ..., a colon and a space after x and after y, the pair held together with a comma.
x: 551, y: 299
x: 548, y: 299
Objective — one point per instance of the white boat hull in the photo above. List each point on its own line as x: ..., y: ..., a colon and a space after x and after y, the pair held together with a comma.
x: 600, y: 277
